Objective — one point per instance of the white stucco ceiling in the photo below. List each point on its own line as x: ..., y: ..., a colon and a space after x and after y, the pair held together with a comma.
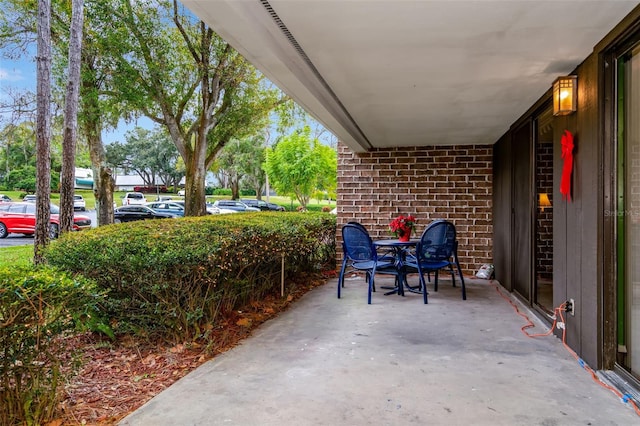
x: 383, y: 73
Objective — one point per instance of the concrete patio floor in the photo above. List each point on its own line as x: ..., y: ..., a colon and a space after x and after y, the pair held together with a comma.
x: 329, y: 361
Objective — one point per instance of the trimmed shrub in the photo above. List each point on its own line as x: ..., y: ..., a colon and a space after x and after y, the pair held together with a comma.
x: 222, y: 191
x: 150, y: 189
x: 37, y: 307
x: 171, y: 278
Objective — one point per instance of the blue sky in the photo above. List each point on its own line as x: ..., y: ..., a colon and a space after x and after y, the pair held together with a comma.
x: 20, y: 75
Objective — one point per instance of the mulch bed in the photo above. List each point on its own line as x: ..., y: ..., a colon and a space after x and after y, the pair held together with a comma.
x: 115, y: 378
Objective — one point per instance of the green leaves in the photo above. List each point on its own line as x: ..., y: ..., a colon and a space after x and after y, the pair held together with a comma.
x: 300, y: 165
x: 149, y: 153
x: 38, y: 305
x: 170, y: 278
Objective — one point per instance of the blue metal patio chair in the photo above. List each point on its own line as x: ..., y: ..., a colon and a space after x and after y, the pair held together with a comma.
x: 385, y: 256
x: 437, y: 249
x: 360, y: 254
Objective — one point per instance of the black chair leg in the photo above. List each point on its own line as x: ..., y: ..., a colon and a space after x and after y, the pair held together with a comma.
x: 455, y: 258
x: 424, y: 289
x: 341, y: 277
x: 453, y: 274
x: 464, y: 290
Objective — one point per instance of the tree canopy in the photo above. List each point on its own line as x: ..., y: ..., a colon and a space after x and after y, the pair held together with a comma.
x: 174, y: 69
x: 150, y: 154
x: 240, y: 161
x: 155, y: 58
x: 299, y: 165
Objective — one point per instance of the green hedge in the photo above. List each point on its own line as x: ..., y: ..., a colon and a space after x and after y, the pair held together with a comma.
x: 172, y: 277
x: 37, y: 307
x: 221, y: 191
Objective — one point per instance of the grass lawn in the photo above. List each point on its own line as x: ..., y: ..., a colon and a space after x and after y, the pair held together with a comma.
x: 18, y: 255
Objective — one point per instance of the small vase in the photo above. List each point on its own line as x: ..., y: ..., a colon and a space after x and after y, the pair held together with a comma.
x: 404, y: 237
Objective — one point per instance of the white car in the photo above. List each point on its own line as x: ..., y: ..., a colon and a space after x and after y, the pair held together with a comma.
x: 134, y: 198
x: 181, y: 193
x: 211, y: 209
x: 79, y: 203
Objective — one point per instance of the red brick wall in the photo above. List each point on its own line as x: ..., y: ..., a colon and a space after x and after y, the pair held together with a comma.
x: 443, y: 182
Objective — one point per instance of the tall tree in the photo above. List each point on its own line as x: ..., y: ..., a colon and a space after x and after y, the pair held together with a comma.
x: 67, y: 180
x: 43, y: 133
x: 189, y: 80
x: 92, y: 122
x: 150, y: 154
x: 255, y: 177
x: 240, y: 161
x: 99, y: 108
x: 299, y: 165
x: 156, y: 59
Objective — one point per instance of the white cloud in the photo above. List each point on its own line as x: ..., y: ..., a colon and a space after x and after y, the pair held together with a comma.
x: 11, y: 75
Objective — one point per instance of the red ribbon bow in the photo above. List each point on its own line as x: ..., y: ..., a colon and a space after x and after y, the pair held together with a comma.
x: 567, y: 167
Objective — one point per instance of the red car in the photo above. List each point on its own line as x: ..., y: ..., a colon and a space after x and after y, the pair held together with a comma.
x: 20, y: 218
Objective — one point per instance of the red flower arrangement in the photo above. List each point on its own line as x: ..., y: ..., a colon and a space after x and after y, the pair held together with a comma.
x: 402, y: 226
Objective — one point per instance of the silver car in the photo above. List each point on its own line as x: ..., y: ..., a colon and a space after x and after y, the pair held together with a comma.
x: 236, y: 205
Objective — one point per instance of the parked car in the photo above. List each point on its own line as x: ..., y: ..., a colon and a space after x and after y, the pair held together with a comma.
x: 79, y: 203
x: 211, y: 209
x: 236, y: 205
x: 134, y: 198
x: 263, y: 205
x: 5, y: 198
x: 132, y: 213
x: 167, y: 207
x: 20, y: 218
x: 164, y: 198
x: 181, y: 193
x: 29, y: 198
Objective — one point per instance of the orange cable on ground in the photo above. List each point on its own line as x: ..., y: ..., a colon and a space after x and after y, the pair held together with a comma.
x: 558, y: 312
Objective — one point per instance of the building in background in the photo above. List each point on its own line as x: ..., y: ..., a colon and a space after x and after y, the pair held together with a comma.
x: 84, y: 178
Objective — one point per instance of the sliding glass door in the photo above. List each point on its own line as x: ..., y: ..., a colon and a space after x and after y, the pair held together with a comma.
x: 628, y: 211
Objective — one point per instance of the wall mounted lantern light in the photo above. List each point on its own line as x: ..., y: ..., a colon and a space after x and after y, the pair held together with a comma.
x: 565, y: 95
x: 544, y: 201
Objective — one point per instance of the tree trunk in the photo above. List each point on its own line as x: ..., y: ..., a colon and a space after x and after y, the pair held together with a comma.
x: 195, y: 197
x: 258, y: 189
x: 103, y: 180
x: 43, y: 131
x: 235, y: 187
x: 103, y: 186
x: 67, y: 181
x: 235, y: 191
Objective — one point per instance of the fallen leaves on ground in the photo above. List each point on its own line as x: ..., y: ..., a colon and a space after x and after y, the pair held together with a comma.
x: 117, y: 377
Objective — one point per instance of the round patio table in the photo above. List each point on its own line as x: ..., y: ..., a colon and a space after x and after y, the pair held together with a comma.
x: 400, y: 253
